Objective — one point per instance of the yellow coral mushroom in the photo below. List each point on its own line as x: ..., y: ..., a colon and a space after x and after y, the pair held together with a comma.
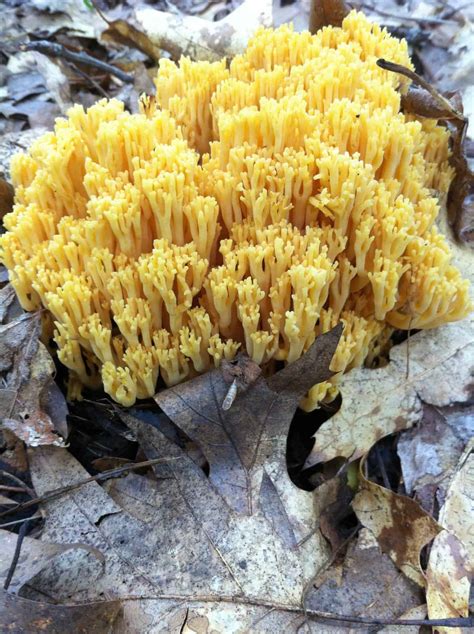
x: 250, y: 206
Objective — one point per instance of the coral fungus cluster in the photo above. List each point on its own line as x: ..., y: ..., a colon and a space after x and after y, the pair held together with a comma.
x: 248, y: 207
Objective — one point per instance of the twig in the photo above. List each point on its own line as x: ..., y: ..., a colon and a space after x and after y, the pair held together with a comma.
x: 36, y: 516
x: 449, y: 14
x: 5, y: 487
x: 86, y: 76
x: 21, y: 484
x: 16, y: 554
x: 52, y: 49
x: 111, y: 473
x: 313, y: 614
x: 420, y: 81
x: 403, y: 17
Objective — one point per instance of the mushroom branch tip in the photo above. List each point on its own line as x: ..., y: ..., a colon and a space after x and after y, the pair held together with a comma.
x: 249, y: 206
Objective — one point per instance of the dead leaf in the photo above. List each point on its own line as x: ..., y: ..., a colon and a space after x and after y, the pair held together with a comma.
x: 199, y: 38
x: 401, y: 527
x: 370, y: 585
x: 34, y: 73
x: 451, y: 562
x: 418, y: 612
x: 422, y: 103
x: 326, y: 13
x: 334, y: 515
x: 124, y: 33
x: 23, y: 615
x: 6, y: 197
x: 237, y: 443
x: 28, y: 372
x: 462, y: 184
x: 19, y: 614
x: 35, y: 556
x: 10, y: 307
x: 430, y: 452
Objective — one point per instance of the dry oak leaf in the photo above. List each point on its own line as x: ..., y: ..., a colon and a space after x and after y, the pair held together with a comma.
x: 401, y: 527
x: 37, y: 617
x: 27, y: 382
x: 369, y: 585
x: 451, y: 562
x: 238, y: 547
x: 18, y: 614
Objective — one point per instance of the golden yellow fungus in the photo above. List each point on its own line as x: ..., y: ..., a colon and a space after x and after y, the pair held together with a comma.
x: 251, y: 206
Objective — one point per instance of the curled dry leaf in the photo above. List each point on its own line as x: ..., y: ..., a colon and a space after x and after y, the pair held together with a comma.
x: 18, y: 614
x: 27, y: 370
x: 401, y: 527
x: 23, y: 615
x: 124, y: 33
x: 35, y: 555
x: 6, y: 197
x: 199, y: 38
x: 326, y: 13
x: 451, y: 562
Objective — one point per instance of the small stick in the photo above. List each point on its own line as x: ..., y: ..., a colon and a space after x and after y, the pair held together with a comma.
x: 52, y: 49
x: 16, y: 554
x: 25, y: 519
x: 420, y: 81
x: 21, y: 484
x: 83, y: 74
x: 410, y: 18
x: 309, y: 612
x: 5, y: 487
x: 111, y: 473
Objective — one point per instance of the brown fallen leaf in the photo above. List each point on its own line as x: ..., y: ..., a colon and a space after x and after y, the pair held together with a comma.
x: 27, y: 370
x: 22, y: 615
x: 429, y: 453
x: 238, y: 442
x: 124, y: 33
x: 451, y: 562
x: 6, y: 197
x: 35, y: 556
x: 18, y: 614
x: 332, y: 518
x: 326, y: 13
x: 401, y: 527
x: 370, y: 584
